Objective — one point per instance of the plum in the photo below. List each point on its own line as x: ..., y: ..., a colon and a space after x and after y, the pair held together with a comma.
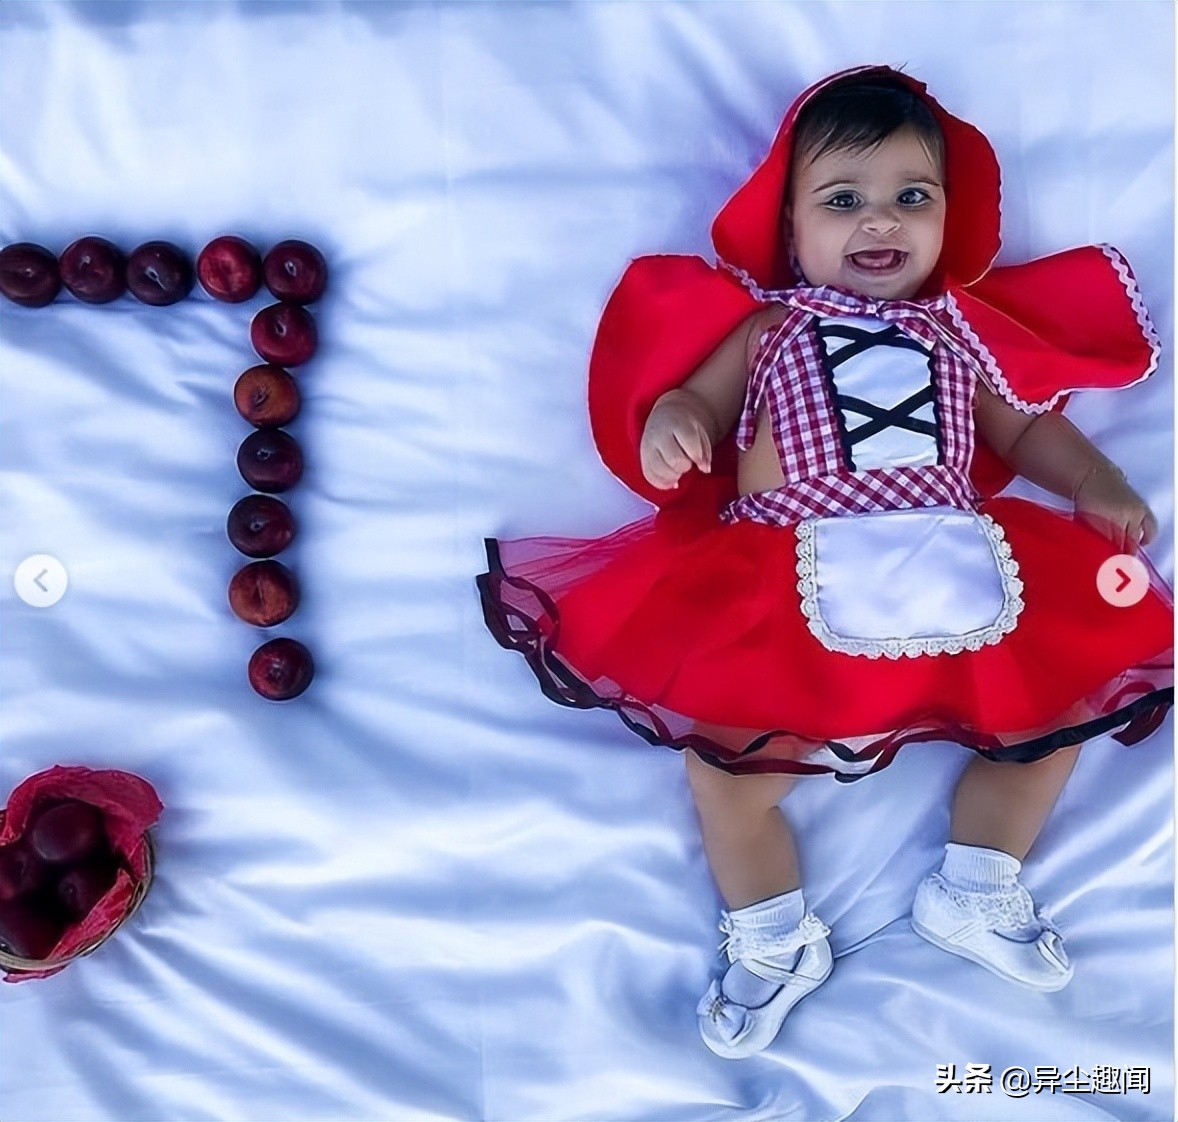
x: 28, y: 929
x: 267, y: 395
x: 264, y: 593
x: 82, y: 886
x: 260, y: 525
x: 159, y: 273
x: 284, y: 334
x: 21, y: 870
x: 67, y: 831
x: 29, y: 275
x: 229, y: 269
x: 270, y: 460
x: 281, y: 669
x: 94, y: 270
x: 295, y: 271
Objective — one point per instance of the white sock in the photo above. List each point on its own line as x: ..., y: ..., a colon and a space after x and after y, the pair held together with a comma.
x: 741, y: 984
x: 978, y: 869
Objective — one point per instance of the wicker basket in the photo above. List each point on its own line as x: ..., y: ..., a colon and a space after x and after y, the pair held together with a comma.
x: 16, y: 964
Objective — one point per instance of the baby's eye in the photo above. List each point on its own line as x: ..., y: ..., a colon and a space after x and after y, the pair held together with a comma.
x: 913, y: 196
x: 844, y: 200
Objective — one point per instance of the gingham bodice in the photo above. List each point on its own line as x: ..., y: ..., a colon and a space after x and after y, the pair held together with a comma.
x: 868, y: 413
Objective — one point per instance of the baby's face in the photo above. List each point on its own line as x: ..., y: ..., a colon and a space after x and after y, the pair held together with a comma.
x: 869, y: 221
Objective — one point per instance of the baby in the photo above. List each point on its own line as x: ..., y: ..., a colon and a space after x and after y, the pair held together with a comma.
x: 831, y: 573
x: 865, y: 211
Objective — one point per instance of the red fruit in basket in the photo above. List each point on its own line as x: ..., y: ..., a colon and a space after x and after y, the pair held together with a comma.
x: 281, y: 669
x: 84, y: 885
x: 267, y: 396
x: 21, y: 871
x: 260, y: 525
x: 27, y: 929
x: 264, y: 593
x: 229, y: 269
x: 159, y: 273
x: 270, y: 460
x: 284, y: 334
x: 68, y: 831
x: 94, y: 270
x: 29, y: 275
x: 295, y: 271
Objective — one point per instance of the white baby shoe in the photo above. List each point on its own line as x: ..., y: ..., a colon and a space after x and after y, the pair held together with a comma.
x: 764, y: 943
x: 998, y: 928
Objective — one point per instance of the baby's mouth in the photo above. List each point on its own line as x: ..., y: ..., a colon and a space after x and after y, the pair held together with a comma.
x: 878, y: 260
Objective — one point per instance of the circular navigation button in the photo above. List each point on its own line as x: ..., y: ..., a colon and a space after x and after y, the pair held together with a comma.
x: 40, y: 580
x: 1123, y: 580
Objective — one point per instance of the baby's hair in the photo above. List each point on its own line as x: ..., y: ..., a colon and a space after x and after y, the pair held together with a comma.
x: 859, y: 112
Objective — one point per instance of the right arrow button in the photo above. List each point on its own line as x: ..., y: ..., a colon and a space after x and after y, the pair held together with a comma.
x: 1123, y: 580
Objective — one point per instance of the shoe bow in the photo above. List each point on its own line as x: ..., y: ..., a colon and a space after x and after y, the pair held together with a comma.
x: 728, y: 1016
x: 1051, y: 944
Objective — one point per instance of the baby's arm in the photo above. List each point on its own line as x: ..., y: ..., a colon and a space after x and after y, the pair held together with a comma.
x: 1051, y: 452
x: 687, y: 422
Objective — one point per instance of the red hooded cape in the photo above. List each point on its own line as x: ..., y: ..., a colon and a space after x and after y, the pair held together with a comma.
x: 1072, y: 320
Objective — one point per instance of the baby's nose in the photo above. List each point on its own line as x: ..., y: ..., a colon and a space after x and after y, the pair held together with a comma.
x: 881, y: 221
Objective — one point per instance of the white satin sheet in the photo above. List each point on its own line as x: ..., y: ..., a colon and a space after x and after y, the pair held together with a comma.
x: 422, y: 891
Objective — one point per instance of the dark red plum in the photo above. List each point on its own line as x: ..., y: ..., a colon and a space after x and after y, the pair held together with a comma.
x: 270, y: 460
x: 264, y: 593
x: 29, y: 275
x: 295, y: 271
x: 260, y: 525
x: 21, y: 870
x: 284, y: 334
x: 267, y: 396
x: 94, y: 270
x: 281, y: 669
x: 27, y: 929
x: 159, y: 273
x: 66, y: 832
x: 84, y: 885
x: 229, y: 269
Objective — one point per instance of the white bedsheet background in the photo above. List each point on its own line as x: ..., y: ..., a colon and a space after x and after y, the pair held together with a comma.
x: 421, y: 890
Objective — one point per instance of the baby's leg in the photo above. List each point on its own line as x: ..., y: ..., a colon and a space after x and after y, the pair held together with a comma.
x: 1004, y: 805
x: 748, y: 842
x: 778, y: 952
x: 974, y: 905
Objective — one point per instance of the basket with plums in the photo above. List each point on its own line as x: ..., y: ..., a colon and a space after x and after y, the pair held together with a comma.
x: 76, y: 861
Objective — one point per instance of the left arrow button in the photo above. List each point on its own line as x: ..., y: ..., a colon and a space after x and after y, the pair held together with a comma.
x: 40, y: 580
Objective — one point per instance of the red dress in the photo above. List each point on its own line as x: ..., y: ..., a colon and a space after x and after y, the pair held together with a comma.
x: 727, y: 624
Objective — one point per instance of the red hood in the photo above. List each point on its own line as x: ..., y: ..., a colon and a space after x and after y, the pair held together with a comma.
x: 1041, y: 330
x: 747, y: 231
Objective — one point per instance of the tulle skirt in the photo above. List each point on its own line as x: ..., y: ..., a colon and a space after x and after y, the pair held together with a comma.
x: 692, y: 631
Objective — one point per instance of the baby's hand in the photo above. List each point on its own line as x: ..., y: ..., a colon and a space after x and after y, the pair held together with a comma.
x: 676, y: 436
x: 1108, y: 504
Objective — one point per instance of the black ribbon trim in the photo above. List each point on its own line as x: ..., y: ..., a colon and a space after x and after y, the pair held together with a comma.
x: 839, y: 417
x: 1141, y: 712
x: 562, y: 685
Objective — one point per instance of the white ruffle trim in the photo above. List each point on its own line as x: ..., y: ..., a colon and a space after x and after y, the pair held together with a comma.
x: 748, y: 939
x: 755, y: 290
x: 1139, y: 309
x: 998, y: 380
x: 762, y: 295
x: 993, y: 371
x: 1003, y: 624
